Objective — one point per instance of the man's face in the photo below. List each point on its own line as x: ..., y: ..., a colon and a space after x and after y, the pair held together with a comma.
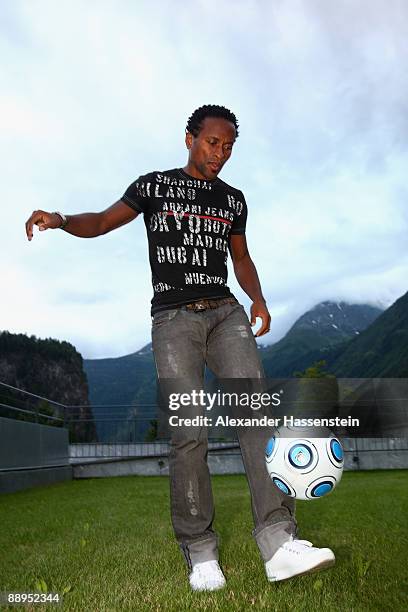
x: 209, y: 151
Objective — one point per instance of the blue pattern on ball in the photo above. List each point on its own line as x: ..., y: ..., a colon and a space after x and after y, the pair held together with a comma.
x: 336, y: 450
x: 300, y: 456
x: 281, y: 485
x: 322, y: 489
x: 269, y: 447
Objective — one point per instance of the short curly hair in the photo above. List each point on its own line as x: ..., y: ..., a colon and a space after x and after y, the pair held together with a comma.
x: 194, y: 123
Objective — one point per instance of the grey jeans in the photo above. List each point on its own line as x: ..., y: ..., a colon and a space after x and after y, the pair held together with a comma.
x: 183, y: 342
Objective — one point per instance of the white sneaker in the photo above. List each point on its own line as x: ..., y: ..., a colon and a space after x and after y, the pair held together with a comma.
x: 207, y: 576
x: 297, y: 557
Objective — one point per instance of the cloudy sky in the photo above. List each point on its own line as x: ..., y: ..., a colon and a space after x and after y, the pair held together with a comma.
x: 95, y: 93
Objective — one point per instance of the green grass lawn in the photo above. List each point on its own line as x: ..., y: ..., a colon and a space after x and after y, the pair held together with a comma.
x: 109, y: 543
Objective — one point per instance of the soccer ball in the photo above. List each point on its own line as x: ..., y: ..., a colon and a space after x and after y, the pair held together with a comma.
x: 304, y: 466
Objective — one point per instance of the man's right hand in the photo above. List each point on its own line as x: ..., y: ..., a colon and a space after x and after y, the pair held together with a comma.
x: 84, y: 225
x: 44, y: 220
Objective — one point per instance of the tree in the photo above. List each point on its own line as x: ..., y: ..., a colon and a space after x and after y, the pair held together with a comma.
x: 315, y: 371
x: 151, y: 434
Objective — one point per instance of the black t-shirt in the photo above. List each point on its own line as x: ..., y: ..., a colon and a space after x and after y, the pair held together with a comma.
x: 188, y: 223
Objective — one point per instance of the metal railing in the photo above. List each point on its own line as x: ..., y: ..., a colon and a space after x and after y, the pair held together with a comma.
x: 114, y: 423
x: 80, y: 452
x: 36, y: 411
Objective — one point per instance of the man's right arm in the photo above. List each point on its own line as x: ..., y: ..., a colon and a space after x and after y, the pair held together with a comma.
x: 85, y: 225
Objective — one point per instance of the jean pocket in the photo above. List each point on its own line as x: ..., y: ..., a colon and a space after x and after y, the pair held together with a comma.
x: 238, y: 308
x: 163, y: 317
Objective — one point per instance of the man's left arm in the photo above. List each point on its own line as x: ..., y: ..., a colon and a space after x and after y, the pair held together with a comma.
x: 248, y: 280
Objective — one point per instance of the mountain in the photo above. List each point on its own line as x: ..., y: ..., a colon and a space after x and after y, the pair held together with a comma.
x: 48, y: 368
x: 381, y: 350
x: 118, y: 380
x: 123, y: 389
x: 323, y: 330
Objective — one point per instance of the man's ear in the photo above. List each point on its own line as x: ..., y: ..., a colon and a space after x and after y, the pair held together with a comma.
x: 189, y: 140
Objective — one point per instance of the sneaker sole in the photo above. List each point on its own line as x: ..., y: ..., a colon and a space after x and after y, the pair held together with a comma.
x: 325, y: 564
x: 212, y: 588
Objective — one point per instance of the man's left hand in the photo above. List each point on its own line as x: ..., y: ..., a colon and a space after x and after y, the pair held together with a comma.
x: 259, y: 309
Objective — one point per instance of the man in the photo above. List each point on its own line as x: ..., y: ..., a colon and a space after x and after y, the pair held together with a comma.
x: 193, y: 219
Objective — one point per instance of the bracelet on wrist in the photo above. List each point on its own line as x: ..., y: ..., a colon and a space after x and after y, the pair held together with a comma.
x: 64, y: 219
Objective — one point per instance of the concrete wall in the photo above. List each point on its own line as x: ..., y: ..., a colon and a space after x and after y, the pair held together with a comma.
x: 18, y: 480
x: 32, y: 454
